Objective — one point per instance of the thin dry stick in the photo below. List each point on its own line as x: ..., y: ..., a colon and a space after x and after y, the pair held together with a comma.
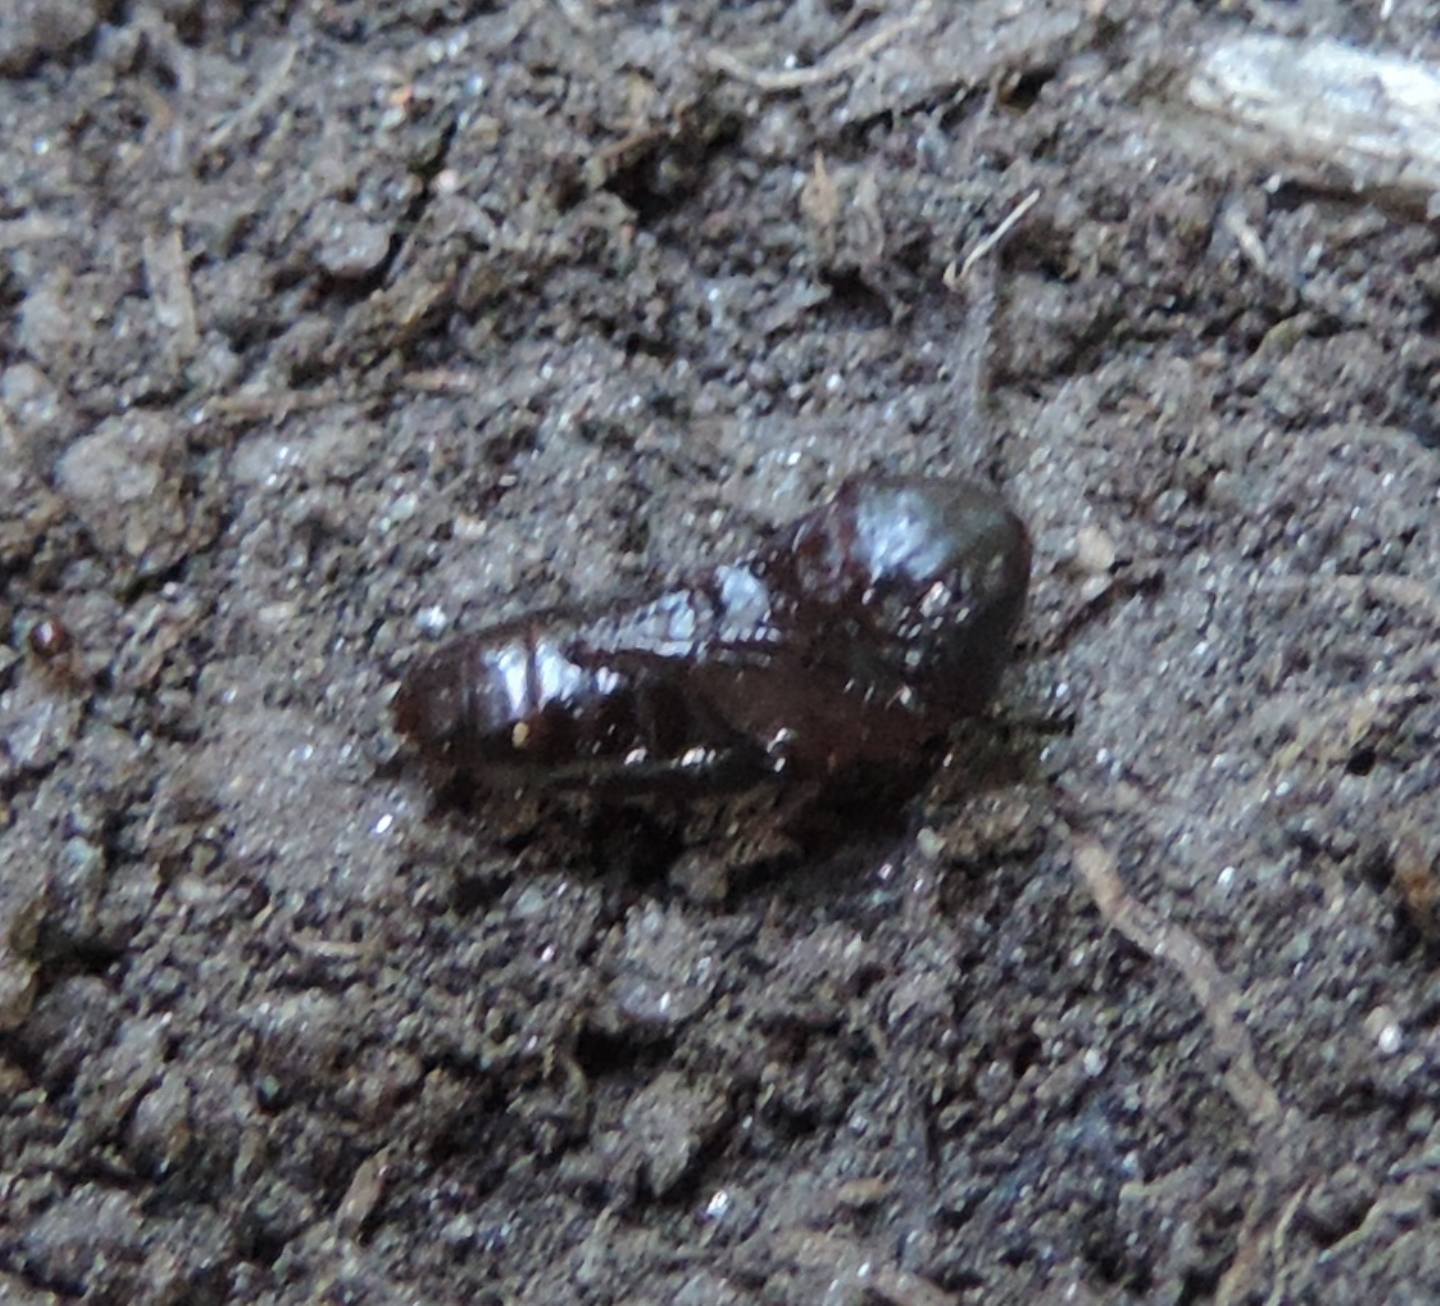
x: 1277, y: 1248
x: 1007, y: 225
x: 267, y: 93
x: 1210, y: 985
x: 792, y: 79
x: 245, y: 406
x: 1218, y: 1000
x: 168, y: 271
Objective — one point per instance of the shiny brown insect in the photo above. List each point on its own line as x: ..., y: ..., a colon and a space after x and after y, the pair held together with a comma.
x: 865, y: 630
x: 49, y: 639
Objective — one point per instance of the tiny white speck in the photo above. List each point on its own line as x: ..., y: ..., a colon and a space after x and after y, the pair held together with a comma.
x: 1094, y: 1062
x: 718, y: 1205
x: 1388, y: 1040
x: 383, y: 825
x: 519, y: 734
x: 930, y: 842
x: 432, y: 621
x: 936, y: 597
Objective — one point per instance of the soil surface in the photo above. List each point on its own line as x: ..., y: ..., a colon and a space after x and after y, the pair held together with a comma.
x: 332, y: 329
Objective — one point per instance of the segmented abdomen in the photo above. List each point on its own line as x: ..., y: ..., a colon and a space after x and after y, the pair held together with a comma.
x: 585, y: 686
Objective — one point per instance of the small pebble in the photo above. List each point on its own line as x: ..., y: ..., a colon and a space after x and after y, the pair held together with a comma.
x: 348, y: 245
x: 1094, y: 551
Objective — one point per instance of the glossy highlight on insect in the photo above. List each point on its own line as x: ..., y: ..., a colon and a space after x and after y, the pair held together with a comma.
x: 49, y: 639
x: 861, y: 633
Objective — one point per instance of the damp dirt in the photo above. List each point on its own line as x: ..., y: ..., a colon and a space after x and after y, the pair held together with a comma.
x: 331, y: 331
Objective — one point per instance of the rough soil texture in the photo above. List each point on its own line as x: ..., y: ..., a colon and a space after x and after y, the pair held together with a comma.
x: 333, y: 328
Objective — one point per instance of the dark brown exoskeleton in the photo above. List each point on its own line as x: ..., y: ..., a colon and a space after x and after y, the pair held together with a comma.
x: 865, y: 630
